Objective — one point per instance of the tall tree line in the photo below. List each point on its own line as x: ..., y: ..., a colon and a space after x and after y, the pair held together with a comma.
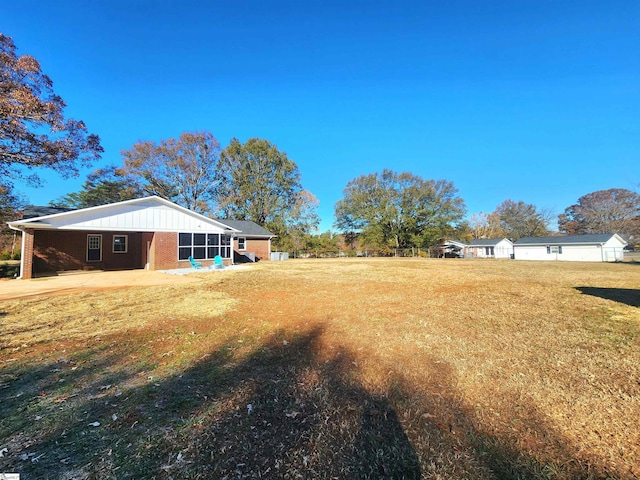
x: 244, y: 181
x: 256, y: 181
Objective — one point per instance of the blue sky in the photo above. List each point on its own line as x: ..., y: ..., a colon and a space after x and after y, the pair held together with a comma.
x: 530, y: 100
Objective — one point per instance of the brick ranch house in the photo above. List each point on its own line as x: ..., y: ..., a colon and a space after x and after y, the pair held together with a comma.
x: 146, y: 233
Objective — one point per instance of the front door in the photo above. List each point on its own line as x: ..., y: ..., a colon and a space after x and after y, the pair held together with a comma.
x: 94, y: 248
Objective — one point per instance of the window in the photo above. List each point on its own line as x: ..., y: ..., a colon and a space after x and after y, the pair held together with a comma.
x: 489, y: 251
x: 199, y: 248
x: 554, y: 249
x: 242, y: 243
x: 120, y: 243
x: 202, y: 246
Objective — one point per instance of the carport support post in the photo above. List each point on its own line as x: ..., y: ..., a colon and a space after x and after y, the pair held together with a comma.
x: 26, y: 255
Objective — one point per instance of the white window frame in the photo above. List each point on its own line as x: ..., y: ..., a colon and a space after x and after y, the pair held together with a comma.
x: 223, y: 246
x: 126, y: 244
x: 554, y: 249
x: 242, y: 243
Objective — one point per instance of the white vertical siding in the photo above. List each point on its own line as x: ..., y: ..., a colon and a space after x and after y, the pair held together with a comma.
x: 504, y: 249
x: 570, y: 253
x: 136, y: 217
x: 533, y: 252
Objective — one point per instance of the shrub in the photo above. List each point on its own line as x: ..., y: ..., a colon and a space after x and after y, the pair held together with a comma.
x: 7, y: 255
x: 9, y: 271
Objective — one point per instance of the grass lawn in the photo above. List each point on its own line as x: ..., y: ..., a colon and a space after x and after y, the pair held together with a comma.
x: 344, y: 368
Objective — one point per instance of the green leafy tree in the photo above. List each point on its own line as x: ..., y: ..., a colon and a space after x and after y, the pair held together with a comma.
x: 519, y: 220
x: 258, y: 182
x: 325, y: 243
x: 33, y: 129
x: 616, y: 210
x: 105, y: 185
x: 399, y: 210
x: 182, y: 170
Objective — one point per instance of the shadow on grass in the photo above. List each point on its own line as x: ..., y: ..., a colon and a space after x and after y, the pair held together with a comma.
x: 289, y: 409
x: 628, y: 296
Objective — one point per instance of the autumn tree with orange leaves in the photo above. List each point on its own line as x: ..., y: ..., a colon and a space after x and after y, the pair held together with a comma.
x: 616, y: 210
x: 33, y: 129
x: 182, y: 170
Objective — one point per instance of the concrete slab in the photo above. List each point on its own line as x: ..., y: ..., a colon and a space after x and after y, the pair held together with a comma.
x: 81, y: 281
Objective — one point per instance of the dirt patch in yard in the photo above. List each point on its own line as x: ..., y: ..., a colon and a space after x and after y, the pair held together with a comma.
x: 77, y: 282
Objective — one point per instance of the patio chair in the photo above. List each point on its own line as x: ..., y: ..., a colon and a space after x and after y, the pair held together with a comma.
x: 218, y: 264
x: 195, y: 264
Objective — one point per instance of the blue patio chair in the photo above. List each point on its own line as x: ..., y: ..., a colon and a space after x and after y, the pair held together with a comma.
x: 195, y: 264
x: 218, y: 263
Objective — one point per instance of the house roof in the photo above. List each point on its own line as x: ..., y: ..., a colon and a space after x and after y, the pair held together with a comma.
x: 33, y: 211
x: 148, y: 214
x: 487, y: 242
x: 449, y: 243
x: 248, y: 228
x: 592, y: 239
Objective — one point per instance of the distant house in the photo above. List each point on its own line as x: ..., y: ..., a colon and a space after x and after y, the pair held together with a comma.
x: 489, y: 248
x: 448, y: 248
x: 150, y: 233
x: 606, y: 247
x: 479, y: 248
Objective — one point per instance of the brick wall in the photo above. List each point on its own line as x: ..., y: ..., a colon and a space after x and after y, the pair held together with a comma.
x: 256, y: 245
x: 61, y: 250
x: 55, y: 251
x: 165, y: 251
x: 27, y: 255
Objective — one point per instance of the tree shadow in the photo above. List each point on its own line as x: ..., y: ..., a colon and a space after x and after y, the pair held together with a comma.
x: 628, y: 296
x: 277, y: 413
x: 289, y: 409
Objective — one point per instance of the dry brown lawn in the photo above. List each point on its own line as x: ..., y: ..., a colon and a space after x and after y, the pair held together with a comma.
x: 344, y: 368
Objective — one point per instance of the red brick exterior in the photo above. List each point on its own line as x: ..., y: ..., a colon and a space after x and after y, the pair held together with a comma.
x: 55, y: 251
x: 164, y: 253
x: 164, y: 250
x: 27, y: 254
x: 47, y: 251
x: 259, y: 246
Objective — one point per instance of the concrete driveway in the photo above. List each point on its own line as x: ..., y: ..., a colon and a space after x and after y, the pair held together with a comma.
x: 80, y: 281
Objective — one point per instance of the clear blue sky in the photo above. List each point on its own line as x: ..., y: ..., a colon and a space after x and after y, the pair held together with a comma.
x: 530, y: 100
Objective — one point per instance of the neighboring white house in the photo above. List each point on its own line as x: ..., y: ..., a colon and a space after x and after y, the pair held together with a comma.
x: 607, y: 247
x: 489, y: 248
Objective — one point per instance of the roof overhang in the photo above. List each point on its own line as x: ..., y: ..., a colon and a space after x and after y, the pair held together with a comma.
x: 558, y: 241
x: 148, y: 214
